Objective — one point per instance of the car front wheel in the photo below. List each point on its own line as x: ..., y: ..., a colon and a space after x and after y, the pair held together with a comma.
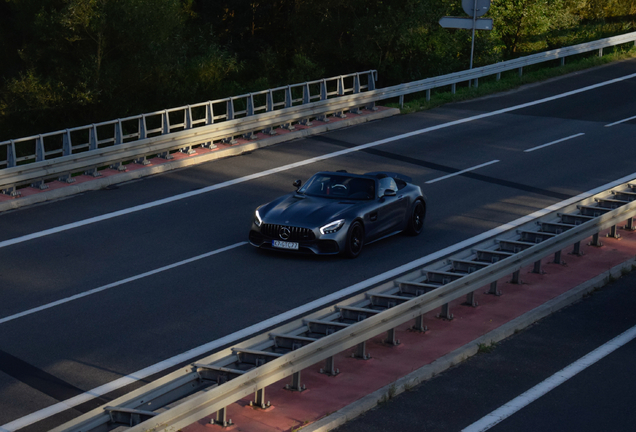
x: 416, y: 221
x: 355, y: 240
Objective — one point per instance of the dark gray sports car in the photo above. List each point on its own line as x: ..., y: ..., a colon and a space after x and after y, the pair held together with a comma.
x: 338, y: 212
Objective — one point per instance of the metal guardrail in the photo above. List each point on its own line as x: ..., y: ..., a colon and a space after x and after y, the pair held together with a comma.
x: 132, y: 139
x: 82, y: 142
x: 211, y: 384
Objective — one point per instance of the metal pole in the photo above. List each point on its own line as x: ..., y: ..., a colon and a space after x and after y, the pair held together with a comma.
x: 472, y: 47
x: 472, y: 44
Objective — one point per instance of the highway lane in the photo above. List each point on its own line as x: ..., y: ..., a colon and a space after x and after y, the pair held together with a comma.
x: 96, y: 339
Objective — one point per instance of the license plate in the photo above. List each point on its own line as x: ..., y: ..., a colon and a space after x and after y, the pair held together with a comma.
x: 285, y: 244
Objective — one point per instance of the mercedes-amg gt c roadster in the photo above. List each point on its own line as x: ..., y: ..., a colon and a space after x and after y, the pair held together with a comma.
x: 340, y: 212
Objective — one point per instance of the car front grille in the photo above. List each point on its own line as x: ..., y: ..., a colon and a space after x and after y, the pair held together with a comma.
x: 296, y: 234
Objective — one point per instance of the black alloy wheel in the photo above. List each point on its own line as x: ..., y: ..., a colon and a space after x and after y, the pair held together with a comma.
x: 416, y: 221
x: 355, y: 240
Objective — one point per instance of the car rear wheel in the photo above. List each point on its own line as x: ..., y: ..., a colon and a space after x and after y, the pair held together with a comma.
x: 355, y: 240
x: 416, y: 221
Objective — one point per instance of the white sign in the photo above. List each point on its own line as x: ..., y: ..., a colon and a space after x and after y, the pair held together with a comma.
x: 466, y: 23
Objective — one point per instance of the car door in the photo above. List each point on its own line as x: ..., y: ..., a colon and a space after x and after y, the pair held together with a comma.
x: 391, y: 209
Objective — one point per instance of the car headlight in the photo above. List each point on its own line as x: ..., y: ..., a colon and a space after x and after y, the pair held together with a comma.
x: 332, y: 227
x: 257, y: 219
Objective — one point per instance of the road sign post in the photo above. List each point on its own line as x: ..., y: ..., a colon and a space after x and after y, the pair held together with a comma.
x: 475, y: 9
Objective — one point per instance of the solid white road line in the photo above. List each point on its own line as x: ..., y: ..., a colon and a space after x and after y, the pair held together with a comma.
x: 294, y: 313
x: 554, y: 381
x: 118, y: 283
x: 303, y: 163
x: 553, y: 142
x: 620, y: 121
x: 461, y: 172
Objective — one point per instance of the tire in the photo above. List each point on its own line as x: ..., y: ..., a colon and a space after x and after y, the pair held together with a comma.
x: 355, y: 240
x: 416, y: 219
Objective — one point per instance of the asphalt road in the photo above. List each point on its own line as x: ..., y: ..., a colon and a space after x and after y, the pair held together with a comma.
x: 599, y: 398
x: 49, y: 355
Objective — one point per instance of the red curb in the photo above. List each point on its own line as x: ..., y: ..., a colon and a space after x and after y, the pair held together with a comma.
x: 358, y: 378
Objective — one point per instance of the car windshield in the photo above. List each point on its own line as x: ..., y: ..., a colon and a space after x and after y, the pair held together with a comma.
x: 339, y: 186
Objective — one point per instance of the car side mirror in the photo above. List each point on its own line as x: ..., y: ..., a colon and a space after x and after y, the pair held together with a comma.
x: 389, y: 192
x: 297, y: 184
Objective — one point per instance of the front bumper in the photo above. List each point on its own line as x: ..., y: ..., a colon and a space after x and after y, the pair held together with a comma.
x: 309, y: 241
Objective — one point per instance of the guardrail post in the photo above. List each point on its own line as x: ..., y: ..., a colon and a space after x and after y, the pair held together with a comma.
x: 92, y: 145
x: 259, y: 399
x: 476, y: 82
x: 613, y: 233
x: 330, y: 368
x: 361, y: 352
x: 11, y: 162
x: 188, y: 117
x: 250, y: 112
x: 419, y: 324
x: 118, y: 132
x: 141, y: 127
x: 341, y: 87
x: 306, y: 94
x: 493, y: 289
x: 445, y: 313
x: 306, y: 100
x: 577, y: 249
x: 428, y: 94
x: 401, y: 101
x: 356, y: 89
x: 229, y: 115
x: 295, y: 383
x: 323, y: 96
x: 39, y: 149
x: 453, y: 88
x: 209, y: 119
x: 600, y: 52
x: 595, y: 241
x: 520, y: 72
x: 341, y: 92
x: 288, y: 104
x: 498, y: 76
x: 209, y: 114
x: 557, y: 257
x: 229, y: 109
x: 221, y: 418
x: 537, y: 267
x: 187, y: 124
x: 471, y: 300
x: 67, y: 150
x: 11, y: 158
x: 630, y: 224
x: 371, y: 78
x: 562, y: 61
x: 390, y: 338
x: 269, y: 107
x: 516, y: 279
x: 323, y: 90
x: 165, y: 129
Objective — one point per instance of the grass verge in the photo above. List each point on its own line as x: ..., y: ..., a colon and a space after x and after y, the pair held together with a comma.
x: 511, y: 80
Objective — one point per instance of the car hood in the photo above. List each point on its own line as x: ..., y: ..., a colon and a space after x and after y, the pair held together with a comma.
x: 304, y: 211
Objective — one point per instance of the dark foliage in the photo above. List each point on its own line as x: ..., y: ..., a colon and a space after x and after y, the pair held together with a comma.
x: 75, y: 62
